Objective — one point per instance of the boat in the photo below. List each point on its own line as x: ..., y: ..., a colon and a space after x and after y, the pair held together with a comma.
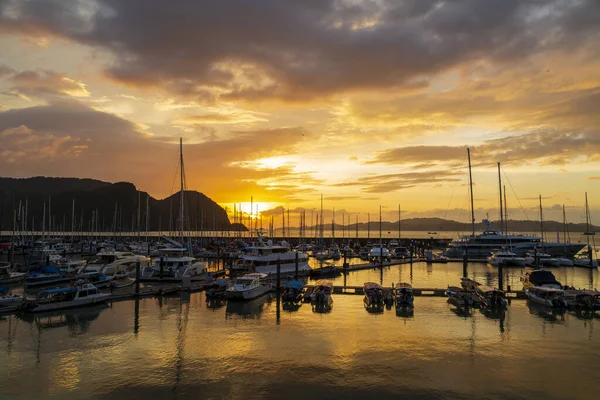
x: 174, y: 265
x: 582, y: 299
x: 293, y: 292
x: 327, y: 270
x: 400, y: 252
x: 585, y: 261
x: 263, y: 257
x: 7, y: 299
x: 540, y: 278
x: 96, y: 278
x: 321, y: 295
x: 403, y: 295
x: 541, y: 259
x: 547, y: 296
x: 8, y: 276
x: 46, y: 275
x: 564, y: 261
x: 374, y: 296
x: 432, y: 258
x: 462, y: 298
x: 493, y: 298
x: 249, y: 286
x: 217, y: 289
x: 377, y: 253
x: 121, y: 279
x: 109, y: 262
x: 581, y: 260
x: 506, y: 258
x: 469, y: 284
x: 82, y: 294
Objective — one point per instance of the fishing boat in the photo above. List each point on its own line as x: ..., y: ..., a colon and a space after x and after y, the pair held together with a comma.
x: 506, y: 258
x: 540, y: 278
x: 582, y: 299
x: 8, y: 276
x: 46, y: 275
x: 547, y: 296
x: 82, y: 294
x: 374, y: 296
x: 321, y: 295
x: 403, y: 295
x: 293, y: 292
x: 217, y: 289
x: 263, y: 257
x: 249, y: 286
x: 7, y: 299
x: 460, y: 297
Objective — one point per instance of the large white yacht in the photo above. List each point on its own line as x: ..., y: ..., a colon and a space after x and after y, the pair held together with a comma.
x: 110, y: 262
x: 262, y: 257
x: 506, y: 259
x: 176, y: 265
x: 480, y: 246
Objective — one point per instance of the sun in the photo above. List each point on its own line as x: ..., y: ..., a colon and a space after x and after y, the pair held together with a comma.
x: 251, y: 209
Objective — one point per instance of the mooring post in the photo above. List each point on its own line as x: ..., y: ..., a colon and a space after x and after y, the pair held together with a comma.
x: 137, y: 278
x: 465, y: 261
x: 278, y: 276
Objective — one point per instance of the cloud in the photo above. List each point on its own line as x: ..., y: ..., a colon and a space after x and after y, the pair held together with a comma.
x: 594, y: 178
x: 40, y: 83
x: 301, y: 50
x: 4, y: 70
x: 392, y: 182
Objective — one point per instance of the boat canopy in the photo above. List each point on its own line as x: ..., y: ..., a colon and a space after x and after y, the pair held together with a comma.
x: 403, y: 285
x: 542, y: 277
x: 60, y: 290
x: 3, y: 289
x: 372, y: 285
x: 297, y: 285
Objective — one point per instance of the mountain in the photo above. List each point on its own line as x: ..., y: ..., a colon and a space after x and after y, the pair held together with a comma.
x: 56, y: 196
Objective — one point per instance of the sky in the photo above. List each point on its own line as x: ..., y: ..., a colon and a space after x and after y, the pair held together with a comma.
x: 368, y: 102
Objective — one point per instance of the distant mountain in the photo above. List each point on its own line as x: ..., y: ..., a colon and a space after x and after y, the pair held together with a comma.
x: 122, y: 199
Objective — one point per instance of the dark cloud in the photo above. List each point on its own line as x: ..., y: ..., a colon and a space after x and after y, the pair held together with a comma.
x: 4, y: 70
x: 301, y: 50
x: 393, y: 182
x: 39, y: 83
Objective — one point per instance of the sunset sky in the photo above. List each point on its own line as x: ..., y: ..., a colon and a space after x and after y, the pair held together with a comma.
x: 367, y: 102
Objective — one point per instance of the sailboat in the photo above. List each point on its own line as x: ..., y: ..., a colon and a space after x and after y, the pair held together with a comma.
x: 175, y: 264
x: 587, y: 261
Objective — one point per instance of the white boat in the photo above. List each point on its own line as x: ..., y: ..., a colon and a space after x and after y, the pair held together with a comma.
x: 506, y: 259
x: 109, y: 262
x: 7, y: 299
x: 377, y: 252
x: 565, y: 262
x: 176, y: 265
x: 248, y: 287
x: 8, y: 276
x: 400, y: 252
x: 82, y: 294
x: 548, y: 296
x: 262, y: 257
x: 585, y: 262
x: 543, y: 260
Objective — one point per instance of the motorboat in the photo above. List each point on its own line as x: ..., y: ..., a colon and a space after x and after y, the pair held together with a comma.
x: 493, y: 298
x: 264, y: 256
x: 540, y: 278
x: 321, y: 295
x: 8, y: 276
x: 174, y: 265
x: 400, y: 252
x: 585, y: 262
x: 293, y: 292
x: 403, y: 295
x: 217, y: 289
x: 377, y: 253
x: 82, y: 294
x: 547, y: 296
x: 46, y: 275
x: 469, y: 284
x: 582, y: 299
x: 109, y: 262
x: 329, y: 269
x: 374, y: 296
x: 7, y: 299
x: 564, y: 261
x: 249, y: 286
x: 462, y: 298
x: 96, y: 278
x: 541, y: 259
x: 506, y: 258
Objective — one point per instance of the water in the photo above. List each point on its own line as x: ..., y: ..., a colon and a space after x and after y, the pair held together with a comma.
x: 178, y: 348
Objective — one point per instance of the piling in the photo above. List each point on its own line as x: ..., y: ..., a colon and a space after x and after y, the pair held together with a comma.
x: 465, y: 261
x: 278, y: 288
x: 137, y: 278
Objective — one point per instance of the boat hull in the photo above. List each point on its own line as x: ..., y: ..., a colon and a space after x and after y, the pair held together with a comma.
x: 70, y: 304
x: 247, y: 294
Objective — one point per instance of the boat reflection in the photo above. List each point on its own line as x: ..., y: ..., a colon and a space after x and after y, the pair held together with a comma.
x: 249, y: 309
x: 291, y: 307
x: 496, y: 313
x: 549, y: 314
x: 405, y: 312
x: 464, y: 312
x: 322, y: 308
x: 215, y: 304
x: 581, y: 313
x: 77, y: 321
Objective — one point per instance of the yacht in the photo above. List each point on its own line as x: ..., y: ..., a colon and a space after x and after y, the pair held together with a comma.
x: 548, y: 296
x: 82, y: 294
x: 109, y: 262
x: 8, y: 276
x: 378, y: 252
x: 176, y: 265
x: 46, y: 275
x: 480, y: 246
x: 543, y: 260
x: 248, y: 287
x: 262, y: 257
x: 506, y: 259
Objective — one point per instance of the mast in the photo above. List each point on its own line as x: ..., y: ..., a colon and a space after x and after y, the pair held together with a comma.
x: 471, y: 191
x: 139, y: 212
x: 505, y: 210
x: 73, y: 222
x: 564, y: 229
x: 251, y: 210
x: 147, y: 217
x: 399, y: 224
x: 380, y: 237
x: 181, y: 191
x: 321, y: 223
x: 501, y: 205
x: 542, y: 220
x: 368, y: 226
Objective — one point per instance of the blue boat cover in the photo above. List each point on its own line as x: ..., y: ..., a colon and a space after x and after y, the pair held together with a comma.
x: 3, y: 289
x: 61, y: 290
x: 294, y: 285
x: 49, y: 269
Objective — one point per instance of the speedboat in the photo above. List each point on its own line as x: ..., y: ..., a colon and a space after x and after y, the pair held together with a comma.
x: 82, y: 294
x: 374, y: 296
x: 461, y: 298
x: 8, y: 276
x: 249, y: 286
x: 583, y: 299
x: 7, y: 299
x: 541, y: 259
x: 293, y: 292
x: 403, y: 295
x: 506, y: 259
x: 585, y: 262
x: 96, y: 278
x: 321, y: 295
x: 377, y: 253
x: 547, y: 296
x: 493, y: 298
x: 564, y: 261
x: 540, y: 278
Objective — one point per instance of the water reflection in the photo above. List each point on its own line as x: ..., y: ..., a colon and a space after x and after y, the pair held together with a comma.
x: 405, y: 312
x: 548, y: 314
x: 250, y: 309
x: 215, y: 304
x: 77, y: 321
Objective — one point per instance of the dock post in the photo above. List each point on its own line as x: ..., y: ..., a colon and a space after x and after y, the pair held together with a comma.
x: 278, y: 276
x: 465, y: 261
x: 296, y: 274
x: 500, y: 277
x: 162, y: 266
x: 137, y: 278
x: 412, y: 250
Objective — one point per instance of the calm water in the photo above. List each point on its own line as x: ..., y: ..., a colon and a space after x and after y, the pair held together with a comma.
x: 178, y: 348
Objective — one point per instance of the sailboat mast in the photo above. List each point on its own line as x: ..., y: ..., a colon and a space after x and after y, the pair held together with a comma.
x: 542, y: 220
x: 73, y: 222
x: 505, y: 211
x: 501, y: 206
x: 181, y: 191
x: 587, y: 220
x: 471, y: 190
x: 399, y: 224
